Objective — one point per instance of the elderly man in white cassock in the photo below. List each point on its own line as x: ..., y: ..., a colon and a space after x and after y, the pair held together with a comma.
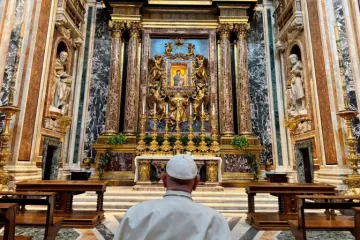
x: 176, y: 216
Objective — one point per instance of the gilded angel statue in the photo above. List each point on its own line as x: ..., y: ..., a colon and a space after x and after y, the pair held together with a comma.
x: 156, y: 70
x: 156, y: 96
x: 200, y: 70
x: 200, y: 97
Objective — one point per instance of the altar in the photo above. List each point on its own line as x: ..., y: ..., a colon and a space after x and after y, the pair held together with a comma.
x: 145, y: 166
x: 179, y: 98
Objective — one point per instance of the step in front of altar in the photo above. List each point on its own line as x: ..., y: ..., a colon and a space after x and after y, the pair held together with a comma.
x: 230, y: 201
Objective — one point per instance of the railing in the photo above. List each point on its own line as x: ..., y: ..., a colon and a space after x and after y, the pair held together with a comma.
x: 285, y: 11
x: 75, y: 9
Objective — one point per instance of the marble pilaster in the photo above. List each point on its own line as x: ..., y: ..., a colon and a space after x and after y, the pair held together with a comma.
x: 242, y: 81
x: 132, y: 81
x: 114, y: 91
x: 226, y: 106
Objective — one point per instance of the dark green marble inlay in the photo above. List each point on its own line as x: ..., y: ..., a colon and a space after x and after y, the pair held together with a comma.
x: 274, y: 89
x: 83, y: 86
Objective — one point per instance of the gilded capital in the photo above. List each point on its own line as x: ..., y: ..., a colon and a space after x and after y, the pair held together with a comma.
x: 242, y: 29
x: 116, y: 28
x: 224, y: 31
x: 135, y: 29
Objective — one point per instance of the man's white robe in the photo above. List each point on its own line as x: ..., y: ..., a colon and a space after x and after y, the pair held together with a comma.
x: 174, y: 217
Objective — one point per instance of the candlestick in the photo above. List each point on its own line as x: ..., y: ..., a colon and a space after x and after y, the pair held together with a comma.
x: 154, y: 146
x: 190, y: 145
x: 215, y: 148
x: 141, y: 144
x: 202, y: 146
x: 166, y: 144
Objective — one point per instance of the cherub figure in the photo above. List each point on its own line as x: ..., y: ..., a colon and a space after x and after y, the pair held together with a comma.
x: 191, y: 48
x: 168, y: 49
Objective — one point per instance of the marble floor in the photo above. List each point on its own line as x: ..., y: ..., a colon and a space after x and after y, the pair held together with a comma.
x: 240, y: 230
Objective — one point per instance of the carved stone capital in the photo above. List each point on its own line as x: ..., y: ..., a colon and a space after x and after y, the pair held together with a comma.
x: 242, y: 30
x: 135, y: 29
x: 116, y: 28
x: 224, y: 31
x: 77, y: 42
x: 280, y: 46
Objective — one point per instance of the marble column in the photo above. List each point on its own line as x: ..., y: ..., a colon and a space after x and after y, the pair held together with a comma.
x: 114, y: 91
x: 242, y: 80
x: 226, y: 106
x: 132, y: 80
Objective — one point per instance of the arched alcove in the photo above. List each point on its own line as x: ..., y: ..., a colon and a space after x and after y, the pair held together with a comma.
x: 296, y: 50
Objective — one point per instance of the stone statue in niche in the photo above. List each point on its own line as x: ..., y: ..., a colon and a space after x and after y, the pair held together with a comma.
x: 61, y: 97
x: 297, y: 95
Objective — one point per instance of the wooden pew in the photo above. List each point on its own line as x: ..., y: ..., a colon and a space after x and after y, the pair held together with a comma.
x: 65, y: 191
x: 7, y: 220
x: 35, y: 219
x: 357, y: 222
x: 286, y: 193
x: 331, y: 222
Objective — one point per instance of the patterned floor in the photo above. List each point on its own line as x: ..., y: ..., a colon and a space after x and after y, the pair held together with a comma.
x: 240, y: 230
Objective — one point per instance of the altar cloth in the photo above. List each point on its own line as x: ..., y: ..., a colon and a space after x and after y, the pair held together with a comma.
x: 161, y: 158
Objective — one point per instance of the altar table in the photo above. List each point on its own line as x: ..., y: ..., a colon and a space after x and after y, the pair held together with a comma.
x: 213, y: 164
x: 64, y: 199
x: 288, y: 205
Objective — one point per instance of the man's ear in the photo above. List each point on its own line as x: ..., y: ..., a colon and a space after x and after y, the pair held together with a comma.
x: 196, y: 182
x: 163, y: 178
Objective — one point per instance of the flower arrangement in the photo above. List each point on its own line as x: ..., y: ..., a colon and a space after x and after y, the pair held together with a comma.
x: 240, y: 142
x: 117, y: 140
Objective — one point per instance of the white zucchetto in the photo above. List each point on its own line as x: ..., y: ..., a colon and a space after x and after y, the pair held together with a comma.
x: 181, y: 166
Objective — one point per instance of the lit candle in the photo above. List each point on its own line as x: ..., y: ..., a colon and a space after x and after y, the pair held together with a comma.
x: 202, y: 108
x: 190, y: 109
x: 337, y: 35
x: 167, y: 109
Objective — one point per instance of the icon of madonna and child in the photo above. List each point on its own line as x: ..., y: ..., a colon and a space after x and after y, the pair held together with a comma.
x: 179, y: 76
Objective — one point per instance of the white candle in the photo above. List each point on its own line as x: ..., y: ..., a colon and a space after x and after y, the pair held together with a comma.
x: 213, y: 110
x: 167, y: 109
x: 144, y: 108
x: 202, y: 108
x: 190, y: 109
x: 154, y: 107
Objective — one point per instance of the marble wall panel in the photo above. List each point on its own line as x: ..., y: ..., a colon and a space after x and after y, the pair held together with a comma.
x: 321, y: 84
x: 51, y: 152
x: 339, y: 16
x: 99, y: 83
x: 236, y: 163
x: 300, y: 165
x: 83, y: 85
x: 11, y: 59
x: 259, y: 101
x: 120, y: 162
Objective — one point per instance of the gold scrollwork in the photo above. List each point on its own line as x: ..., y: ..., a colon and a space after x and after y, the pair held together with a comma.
x: 212, y: 171
x: 144, y: 171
